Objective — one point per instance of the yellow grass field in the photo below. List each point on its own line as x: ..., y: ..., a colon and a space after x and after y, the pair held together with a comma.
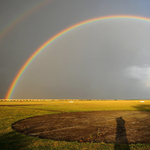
x: 83, y: 105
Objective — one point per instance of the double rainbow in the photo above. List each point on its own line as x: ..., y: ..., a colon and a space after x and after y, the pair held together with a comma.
x: 29, y: 60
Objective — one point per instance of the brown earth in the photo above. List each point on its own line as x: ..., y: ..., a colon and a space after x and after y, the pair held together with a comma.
x: 96, y: 126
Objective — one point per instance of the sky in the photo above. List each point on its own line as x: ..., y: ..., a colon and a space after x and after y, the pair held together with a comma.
x: 105, y: 59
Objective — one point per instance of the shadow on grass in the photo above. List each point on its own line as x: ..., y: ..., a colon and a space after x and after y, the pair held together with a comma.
x: 142, y: 107
x: 14, y: 141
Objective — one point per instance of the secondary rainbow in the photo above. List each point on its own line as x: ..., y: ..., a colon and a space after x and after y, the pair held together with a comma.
x: 14, y: 22
x: 17, y: 77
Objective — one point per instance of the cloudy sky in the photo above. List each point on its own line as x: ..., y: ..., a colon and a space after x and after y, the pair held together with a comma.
x: 106, y: 59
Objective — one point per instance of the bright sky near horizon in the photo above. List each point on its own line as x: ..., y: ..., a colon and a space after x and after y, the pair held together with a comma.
x: 106, y: 59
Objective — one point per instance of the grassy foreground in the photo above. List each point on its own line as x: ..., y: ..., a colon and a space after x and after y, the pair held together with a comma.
x: 10, y: 139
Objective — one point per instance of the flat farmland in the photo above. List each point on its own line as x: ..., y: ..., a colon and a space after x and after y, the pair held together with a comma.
x: 75, y: 124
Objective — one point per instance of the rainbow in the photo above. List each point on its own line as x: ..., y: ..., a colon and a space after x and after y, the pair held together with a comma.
x: 17, y: 77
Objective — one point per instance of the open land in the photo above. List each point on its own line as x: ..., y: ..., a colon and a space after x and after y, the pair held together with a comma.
x: 109, y: 124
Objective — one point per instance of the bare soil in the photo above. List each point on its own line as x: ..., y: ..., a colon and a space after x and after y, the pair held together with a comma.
x: 123, y: 127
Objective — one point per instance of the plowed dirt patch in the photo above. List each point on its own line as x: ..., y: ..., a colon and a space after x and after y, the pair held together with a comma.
x: 98, y: 126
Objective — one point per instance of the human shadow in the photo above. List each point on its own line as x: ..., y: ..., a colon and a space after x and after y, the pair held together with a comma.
x: 121, y: 142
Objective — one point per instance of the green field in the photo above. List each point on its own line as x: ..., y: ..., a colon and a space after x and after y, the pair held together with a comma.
x: 9, y: 139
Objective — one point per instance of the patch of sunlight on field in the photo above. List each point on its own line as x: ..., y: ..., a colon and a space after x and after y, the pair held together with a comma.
x: 95, y: 105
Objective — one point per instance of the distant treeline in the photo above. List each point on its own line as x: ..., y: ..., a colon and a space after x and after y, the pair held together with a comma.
x: 70, y: 99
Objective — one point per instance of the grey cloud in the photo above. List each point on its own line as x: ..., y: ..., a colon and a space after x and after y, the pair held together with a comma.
x: 89, y: 62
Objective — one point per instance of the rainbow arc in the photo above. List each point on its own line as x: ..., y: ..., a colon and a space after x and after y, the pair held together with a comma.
x: 29, y: 60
